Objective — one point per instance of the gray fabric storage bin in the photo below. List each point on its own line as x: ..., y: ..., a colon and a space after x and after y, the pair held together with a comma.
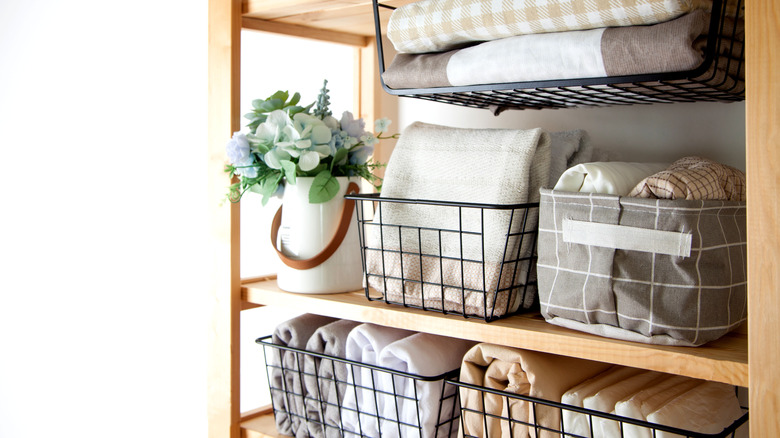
x: 658, y: 271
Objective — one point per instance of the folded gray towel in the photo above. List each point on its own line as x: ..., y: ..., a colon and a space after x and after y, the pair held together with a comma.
x: 286, y: 386
x: 563, y: 146
x: 324, y: 380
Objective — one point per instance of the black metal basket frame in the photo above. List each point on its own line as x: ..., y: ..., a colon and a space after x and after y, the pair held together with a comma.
x: 729, y: 431
x: 518, y: 229
x: 669, y: 87
x: 448, y: 394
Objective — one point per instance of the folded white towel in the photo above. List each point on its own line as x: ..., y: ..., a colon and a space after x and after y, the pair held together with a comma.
x: 606, y: 399
x: 415, y: 409
x: 615, y: 178
x: 364, y: 344
x: 649, y: 400
x: 579, y: 424
x: 708, y: 408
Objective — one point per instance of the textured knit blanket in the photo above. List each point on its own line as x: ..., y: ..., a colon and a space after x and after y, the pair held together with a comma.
x: 445, y: 257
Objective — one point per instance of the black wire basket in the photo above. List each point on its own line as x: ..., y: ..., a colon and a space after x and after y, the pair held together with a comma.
x: 318, y: 395
x: 474, y: 260
x: 706, y: 83
x: 511, y: 421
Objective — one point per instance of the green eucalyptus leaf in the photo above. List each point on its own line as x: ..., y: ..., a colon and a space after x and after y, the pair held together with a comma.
x: 269, y: 185
x: 257, y: 103
x: 323, y: 188
x: 280, y: 95
x: 295, y: 99
x: 256, y: 188
x: 289, y: 170
x: 341, y: 154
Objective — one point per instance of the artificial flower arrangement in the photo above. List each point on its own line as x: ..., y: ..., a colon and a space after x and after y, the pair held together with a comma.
x: 287, y: 141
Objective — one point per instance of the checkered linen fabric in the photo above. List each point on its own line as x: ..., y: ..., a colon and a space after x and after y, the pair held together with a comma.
x: 438, y: 25
x: 694, y: 178
x: 644, y: 296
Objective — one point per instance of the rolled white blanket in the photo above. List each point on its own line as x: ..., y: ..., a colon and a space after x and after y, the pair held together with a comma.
x: 615, y: 178
x: 364, y: 344
x: 417, y: 401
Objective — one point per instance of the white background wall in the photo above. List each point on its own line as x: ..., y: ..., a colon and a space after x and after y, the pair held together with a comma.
x: 660, y: 132
x: 103, y: 218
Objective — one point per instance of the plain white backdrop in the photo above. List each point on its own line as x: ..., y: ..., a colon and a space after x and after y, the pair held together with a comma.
x: 103, y: 182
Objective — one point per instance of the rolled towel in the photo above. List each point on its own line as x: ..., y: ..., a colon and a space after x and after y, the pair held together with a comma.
x: 325, y: 380
x: 694, y: 178
x: 649, y: 400
x: 580, y: 424
x: 362, y: 403
x: 523, y: 372
x: 286, y: 383
x: 615, y: 178
x: 430, y: 162
x: 606, y: 399
x: 707, y: 408
x: 415, y: 409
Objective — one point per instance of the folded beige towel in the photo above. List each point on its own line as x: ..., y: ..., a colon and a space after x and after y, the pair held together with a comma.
x: 431, y: 162
x: 708, y: 408
x: 694, y: 178
x: 523, y: 372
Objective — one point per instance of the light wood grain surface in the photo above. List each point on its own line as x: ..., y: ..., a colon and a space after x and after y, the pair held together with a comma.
x: 763, y: 176
x: 724, y: 360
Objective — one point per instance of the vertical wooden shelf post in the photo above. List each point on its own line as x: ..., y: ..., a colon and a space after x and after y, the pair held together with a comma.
x: 763, y: 183
x: 225, y: 289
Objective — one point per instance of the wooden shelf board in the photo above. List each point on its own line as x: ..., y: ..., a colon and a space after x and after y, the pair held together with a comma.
x: 260, y: 427
x: 724, y: 360
x: 349, y: 16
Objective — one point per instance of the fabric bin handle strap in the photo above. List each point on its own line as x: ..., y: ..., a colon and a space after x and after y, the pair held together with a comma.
x: 628, y: 238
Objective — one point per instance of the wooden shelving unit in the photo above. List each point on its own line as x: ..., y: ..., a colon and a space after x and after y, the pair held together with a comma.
x: 746, y: 358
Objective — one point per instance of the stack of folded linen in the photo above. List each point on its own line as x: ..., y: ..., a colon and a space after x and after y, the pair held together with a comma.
x: 444, y: 43
x: 522, y: 372
x: 454, y: 269
x: 653, y: 397
x: 682, y: 402
x: 321, y: 397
